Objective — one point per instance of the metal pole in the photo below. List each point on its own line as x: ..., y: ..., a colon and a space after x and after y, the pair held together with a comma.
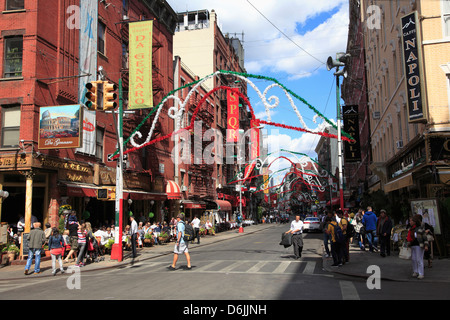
x: 117, y: 252
x: 341, y: 179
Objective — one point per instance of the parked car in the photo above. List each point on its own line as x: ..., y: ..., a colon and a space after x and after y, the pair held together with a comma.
x: 311, y: 224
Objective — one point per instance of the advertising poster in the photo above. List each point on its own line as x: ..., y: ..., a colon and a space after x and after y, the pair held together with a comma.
x: 60, y: 127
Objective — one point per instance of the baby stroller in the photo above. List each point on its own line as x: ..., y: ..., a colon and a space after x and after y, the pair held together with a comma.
x: 94, y: 253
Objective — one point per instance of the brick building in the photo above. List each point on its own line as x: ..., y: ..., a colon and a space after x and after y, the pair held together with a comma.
x: 40, y: 45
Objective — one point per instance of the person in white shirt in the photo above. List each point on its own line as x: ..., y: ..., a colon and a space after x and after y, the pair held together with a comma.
x: 297, y: 238
x: 133, y: 234
x: 196, y: 226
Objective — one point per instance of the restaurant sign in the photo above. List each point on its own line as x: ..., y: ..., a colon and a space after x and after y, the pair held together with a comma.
x: 412, y: 57
x: 352, y: 150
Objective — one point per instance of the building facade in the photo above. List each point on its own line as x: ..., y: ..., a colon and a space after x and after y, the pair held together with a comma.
x: 40, y: 44
x: 407, y: 47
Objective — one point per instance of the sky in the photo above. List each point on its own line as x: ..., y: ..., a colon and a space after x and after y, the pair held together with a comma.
x: 289, y: 40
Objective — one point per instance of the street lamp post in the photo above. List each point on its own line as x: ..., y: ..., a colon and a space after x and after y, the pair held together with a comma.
x: 340, y: 61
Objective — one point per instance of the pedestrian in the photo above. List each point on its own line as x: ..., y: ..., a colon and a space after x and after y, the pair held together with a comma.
x: 336, y: 250
x: 384, y: 228
x: 72, y: 226
x: 326, y: 236
x: 133, y: 236
x: 370, y: 223
x: 297, y: 237
x: 418, y: 242
x: 360, y: 230
x: 56, y: 246
x: 180, y: 246
x: 36, y: 241
x: 196, y: 226
x: 82, y: 245
x: 345, y: 247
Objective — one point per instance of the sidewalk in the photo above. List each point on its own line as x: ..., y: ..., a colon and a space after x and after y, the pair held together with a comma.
x: 392, y: 268
x: 11, y: 272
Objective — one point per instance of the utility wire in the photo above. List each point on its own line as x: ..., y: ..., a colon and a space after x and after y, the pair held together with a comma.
x: 287, y: 37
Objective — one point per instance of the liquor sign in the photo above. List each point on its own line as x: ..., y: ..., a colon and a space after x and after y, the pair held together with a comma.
x: 412, y: 57
x: 233, y: 116
x: 60, y: 127
x: 140, y: 94
x: 352, y: 150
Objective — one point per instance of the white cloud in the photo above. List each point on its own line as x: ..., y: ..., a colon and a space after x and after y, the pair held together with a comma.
x: 266, y: 49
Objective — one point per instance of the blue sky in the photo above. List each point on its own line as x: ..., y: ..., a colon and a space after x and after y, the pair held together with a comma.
x: 289, y: 40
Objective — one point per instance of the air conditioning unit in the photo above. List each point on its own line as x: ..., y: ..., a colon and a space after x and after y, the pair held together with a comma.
x: 399, y: 144
x: 183, y: 188
x: 376, y: 115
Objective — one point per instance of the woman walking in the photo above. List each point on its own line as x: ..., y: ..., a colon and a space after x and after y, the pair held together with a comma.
x: 418, y: 242
x: 82, y: 233
x: 56, y: 245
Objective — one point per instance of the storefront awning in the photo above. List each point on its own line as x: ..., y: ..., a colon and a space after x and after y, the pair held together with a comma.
x: 173, y: 190
x: 188, y: 204
x: 334, y: 201
x: 399, y: 183
x: 143, y: 195
x: 223, y: 205
x: 84, y: 190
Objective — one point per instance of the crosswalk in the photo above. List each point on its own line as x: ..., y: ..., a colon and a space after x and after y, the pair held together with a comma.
x: 229, y: 266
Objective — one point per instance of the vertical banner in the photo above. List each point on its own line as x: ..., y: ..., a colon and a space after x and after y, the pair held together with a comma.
x: 412, y: 57
x: 140, y: 94
x: 88, y: 145
x: 254, y: 139
x: 233, y: 117
x: 88, y: 46
x: 352, y: 150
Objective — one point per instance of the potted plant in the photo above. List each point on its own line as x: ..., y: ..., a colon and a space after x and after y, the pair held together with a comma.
x: 212, y: 231
x: 148, y: 239
x: 47, y: 251
x: 163, y: 236
x: 11, y: 250
x: 202, y: 231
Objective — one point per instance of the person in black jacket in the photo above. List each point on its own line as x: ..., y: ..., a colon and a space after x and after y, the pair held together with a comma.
x: 384, y: 228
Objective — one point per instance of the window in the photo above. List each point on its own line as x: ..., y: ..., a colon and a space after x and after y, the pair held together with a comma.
x: 13, y: 57
x: 14, y: 5
x: 100, y: 132
x: 101, y: 37
x: 10, y: 126
x: 446, y: 17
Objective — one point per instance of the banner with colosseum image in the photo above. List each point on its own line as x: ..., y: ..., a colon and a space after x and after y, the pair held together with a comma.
x: 60, y: 127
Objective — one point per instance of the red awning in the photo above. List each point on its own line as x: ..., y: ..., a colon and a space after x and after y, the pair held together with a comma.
x: 75, y: 191
x: 194, y: 204
x: 173, y: 190
x: 334, y: 202
x: 143, y: 195
x: 223, y: 205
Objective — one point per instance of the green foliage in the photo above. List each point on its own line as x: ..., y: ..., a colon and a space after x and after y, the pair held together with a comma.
x: 109, y: 244
x: 11, y: 248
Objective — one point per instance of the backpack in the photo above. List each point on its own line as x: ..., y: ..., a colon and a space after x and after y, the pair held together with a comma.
x: 338, y: 234
x: 189, y: 233
x: 350, y: 230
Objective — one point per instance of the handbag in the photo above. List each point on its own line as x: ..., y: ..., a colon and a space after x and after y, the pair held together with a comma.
x: 405, y: 253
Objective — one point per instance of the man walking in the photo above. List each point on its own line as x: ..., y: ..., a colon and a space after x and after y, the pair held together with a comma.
x: 297, y: 238
x: 180, y: 246
x: 196, y: 226
x: 133, y: 234
x: 369, y: 221
x: 384, y: 227
x: 36, y: 241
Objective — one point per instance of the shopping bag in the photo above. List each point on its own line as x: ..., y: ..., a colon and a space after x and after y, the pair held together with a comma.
x: 405, y: 253
x: 286, y: 239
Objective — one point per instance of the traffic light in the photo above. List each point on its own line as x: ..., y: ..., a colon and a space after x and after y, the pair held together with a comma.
x: 91, y: 95
x: 109, y: 96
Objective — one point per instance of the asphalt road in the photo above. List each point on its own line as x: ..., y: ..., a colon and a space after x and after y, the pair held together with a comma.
x: 250, y: 268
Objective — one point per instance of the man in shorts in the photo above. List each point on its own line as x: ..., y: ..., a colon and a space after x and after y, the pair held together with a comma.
x: 180, y: 246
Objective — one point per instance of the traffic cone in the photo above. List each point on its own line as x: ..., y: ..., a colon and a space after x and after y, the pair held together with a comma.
x: 241, y: 229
